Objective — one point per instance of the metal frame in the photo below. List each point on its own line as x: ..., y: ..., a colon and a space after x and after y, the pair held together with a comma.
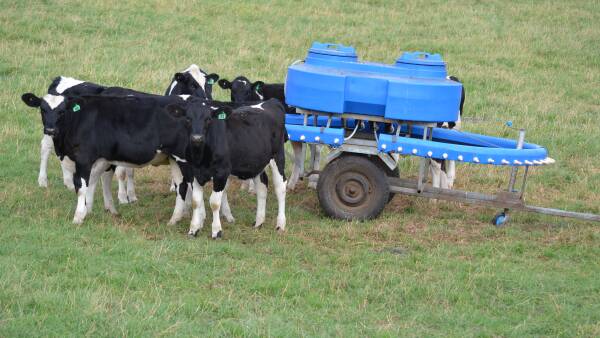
x: 510, y: 199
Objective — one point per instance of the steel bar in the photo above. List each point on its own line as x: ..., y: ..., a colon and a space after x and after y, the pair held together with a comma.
x: 500, y: 200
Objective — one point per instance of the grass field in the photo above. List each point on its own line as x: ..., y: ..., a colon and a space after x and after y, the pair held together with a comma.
x: 418, y: 270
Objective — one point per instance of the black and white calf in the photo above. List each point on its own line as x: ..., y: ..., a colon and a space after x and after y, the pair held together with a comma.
x: 241, y: 142
x: 243, y: 90
x: 443, y: 172
x: 192, y: 81
x: 132, y: 131
x: 59, y: 87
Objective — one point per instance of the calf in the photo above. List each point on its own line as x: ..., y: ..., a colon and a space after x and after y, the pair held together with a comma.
x: 239, y: 142
x: 443, y: 172
x: 131, y: 131
x: 192, y: 81
x: 243, y: 90
x: 69, y: 86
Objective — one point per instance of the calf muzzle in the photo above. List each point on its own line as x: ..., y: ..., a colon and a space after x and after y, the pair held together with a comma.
x: 197, y: 139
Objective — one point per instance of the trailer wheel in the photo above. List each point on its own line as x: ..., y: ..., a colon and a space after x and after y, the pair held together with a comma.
x: 352, y: 187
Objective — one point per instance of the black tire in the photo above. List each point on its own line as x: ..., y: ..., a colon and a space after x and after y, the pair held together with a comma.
x: 352, y: 187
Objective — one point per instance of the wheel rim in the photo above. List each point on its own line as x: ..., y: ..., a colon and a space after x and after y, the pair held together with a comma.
x: 352, y: 189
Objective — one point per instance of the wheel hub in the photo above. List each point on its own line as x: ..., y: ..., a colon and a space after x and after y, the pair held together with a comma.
x: 352, y: 189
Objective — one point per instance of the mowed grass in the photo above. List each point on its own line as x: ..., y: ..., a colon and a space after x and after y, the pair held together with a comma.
x: 421, y: 269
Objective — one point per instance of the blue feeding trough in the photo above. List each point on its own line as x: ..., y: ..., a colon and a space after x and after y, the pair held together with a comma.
x: 415, y: 88
x: 464, y: 147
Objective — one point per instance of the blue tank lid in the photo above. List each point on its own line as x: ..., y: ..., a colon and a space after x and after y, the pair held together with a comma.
x: 420, y: 58
x: 332, y: 51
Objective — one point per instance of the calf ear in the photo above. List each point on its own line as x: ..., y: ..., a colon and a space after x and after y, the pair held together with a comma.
x: 225, y: 84
x: 180, y: 77
x: 221, y: 113
x: 175, y: 110
x: 258, y: 87
x: 31, y: 100
x: 212, y: 78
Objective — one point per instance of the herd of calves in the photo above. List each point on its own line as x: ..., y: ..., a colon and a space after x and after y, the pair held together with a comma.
x: 97, y: 131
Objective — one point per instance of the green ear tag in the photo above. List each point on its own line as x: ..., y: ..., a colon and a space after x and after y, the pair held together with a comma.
x: 76, y: 108
x: 222, y: 116
x: 210, y: 81
x: 257, y: 87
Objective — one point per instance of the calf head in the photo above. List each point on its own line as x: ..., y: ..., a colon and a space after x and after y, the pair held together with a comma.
x: 193, y: 81
x: 198, y: 116
x: 51, y: 108
x: 242, y: 90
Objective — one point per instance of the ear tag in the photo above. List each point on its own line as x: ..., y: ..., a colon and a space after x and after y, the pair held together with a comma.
x: 222, y: 116
x: 210, y: 81
x: 76, y: 108
x: 257, y: 87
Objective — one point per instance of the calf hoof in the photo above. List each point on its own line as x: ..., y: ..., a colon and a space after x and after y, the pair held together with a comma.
x: 43, y: 182
x: 230, y: 219
x: 218, y: 235
x: 123, y: 200
x: 192, y: 234
x: 132, y: 199
x: 77, y: 219
x: 280, y: 229
x: 112, y: 210
x: 257, y: 226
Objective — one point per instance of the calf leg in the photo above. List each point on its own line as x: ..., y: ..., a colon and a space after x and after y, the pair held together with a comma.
x: 279, y: 182
x: 315, y: 164
x: 121, y: 178
x: 98, y: 169
x: 131, y: 197
x: 450, y: 173
x: 225, y: 210
x: 46, y: 147
x: 435, y: 167
x: 181, y: 189
x: 80, y: 181
x: 106, y: 191
x: 188, y: 200
x: 298, y: 167
x: 198, y: 213
x: 261, y: 198
x: 68, y: 168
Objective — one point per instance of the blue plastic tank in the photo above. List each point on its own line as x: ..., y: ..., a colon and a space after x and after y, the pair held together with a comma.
x: 332, y: 79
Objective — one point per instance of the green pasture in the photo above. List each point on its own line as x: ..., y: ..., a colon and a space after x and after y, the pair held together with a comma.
x: 421, y: 269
